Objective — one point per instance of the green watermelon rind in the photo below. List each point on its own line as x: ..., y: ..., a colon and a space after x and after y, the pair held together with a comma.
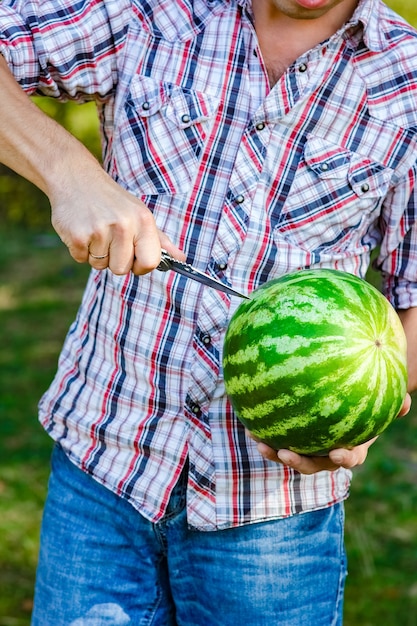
x: 315, y: 360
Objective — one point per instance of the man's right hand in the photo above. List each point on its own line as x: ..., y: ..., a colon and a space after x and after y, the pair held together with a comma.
x: 92, y: 214
x: 95, y: 217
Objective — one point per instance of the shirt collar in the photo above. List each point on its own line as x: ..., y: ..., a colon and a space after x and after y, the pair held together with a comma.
x: 368, y: 13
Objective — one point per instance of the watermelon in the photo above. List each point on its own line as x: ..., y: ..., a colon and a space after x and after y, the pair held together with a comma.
x: 315, y: 360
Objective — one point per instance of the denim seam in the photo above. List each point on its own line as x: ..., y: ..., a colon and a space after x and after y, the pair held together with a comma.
x: 148, y: 620
x: 338, y: 617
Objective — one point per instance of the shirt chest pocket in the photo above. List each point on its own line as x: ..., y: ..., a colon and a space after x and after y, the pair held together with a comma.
x: 161, y: 135
x: 333, y: 198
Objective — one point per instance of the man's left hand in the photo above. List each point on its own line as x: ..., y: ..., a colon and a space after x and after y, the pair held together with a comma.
x: 339, y: 457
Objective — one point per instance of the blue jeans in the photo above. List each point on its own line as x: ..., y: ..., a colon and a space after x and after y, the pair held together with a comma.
x: 101, y: 563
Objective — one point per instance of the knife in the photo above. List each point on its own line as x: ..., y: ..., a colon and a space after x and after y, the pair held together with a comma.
x: 169, y: 263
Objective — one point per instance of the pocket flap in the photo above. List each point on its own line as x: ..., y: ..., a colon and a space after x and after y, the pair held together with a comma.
x: 365, y: 176
x: 146, y: 95
x: 327, y: 160
x: 184, y: 107
x: 187, y: 107
x: 369, y: 178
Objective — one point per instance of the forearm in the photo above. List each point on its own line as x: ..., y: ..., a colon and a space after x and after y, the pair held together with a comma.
x: 409, y: 321
x: 34, y: 145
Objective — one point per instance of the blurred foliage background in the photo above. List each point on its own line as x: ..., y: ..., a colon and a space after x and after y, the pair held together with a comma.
x: 40, y: 288
x: 22, y: 204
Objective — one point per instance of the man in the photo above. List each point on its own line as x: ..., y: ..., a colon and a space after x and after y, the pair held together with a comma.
x: 252, y: 139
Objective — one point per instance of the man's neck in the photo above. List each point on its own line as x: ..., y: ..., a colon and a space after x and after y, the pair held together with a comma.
x: 283, y: 39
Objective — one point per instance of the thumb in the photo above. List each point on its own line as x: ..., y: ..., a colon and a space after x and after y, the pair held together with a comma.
x: 172, y: 249
x: 406, y: 406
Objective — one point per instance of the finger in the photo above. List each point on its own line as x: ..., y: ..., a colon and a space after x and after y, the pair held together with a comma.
x: 134, y: 245
x: 99, y: 264
x: 298, y: 462
x: 99, y: 258
x: 146, y: 246
x: 266, y: 451
x: 84, y: 247
x: 306, y: 464
x: 406, y: 406
x: 78, y: 253
x: 312, y: 464
x: 150, y: 255
x: 78, y: 245
x: 342, y: 457
x: 172, y: 249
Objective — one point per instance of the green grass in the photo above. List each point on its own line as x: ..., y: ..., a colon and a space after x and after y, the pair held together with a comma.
x: 381, y: 532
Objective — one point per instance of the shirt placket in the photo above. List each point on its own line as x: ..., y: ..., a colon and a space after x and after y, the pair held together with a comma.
x: 240, y: 212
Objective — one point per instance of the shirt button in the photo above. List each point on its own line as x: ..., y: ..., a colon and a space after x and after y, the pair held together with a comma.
x: 222, y: 266
x: 302, y: 67
x: 146, y: 106
x: 206, y: 339
x: 239, y: 199
x: 185, y: 119
x: 195, y: 408
x: 260, y: 126
x: 324, y: 167
x: 365, y: 187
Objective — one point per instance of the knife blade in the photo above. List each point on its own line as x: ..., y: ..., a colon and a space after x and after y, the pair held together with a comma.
x: 169, y: 263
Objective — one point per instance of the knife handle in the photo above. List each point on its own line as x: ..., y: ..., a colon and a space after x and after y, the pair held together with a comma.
x: 165, y: 263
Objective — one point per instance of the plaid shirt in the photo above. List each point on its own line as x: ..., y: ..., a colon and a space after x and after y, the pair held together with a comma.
x: 252, y: 182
